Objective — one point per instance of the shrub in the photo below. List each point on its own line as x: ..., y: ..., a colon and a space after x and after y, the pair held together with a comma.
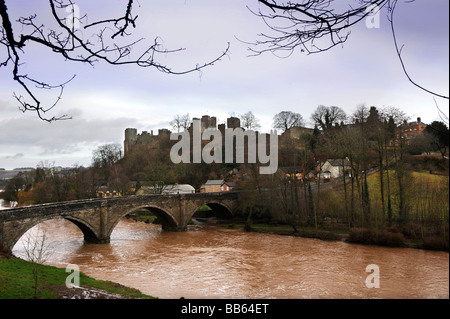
x: 408, y: 230
x: 436, y: 243
x: 371, y: 237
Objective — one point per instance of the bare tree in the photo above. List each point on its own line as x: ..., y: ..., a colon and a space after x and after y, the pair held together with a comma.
x: 249, y: 121
x: 286, y: 120
x: 397, y: 160
x: 107, y: 43
x: 361, y: 114
x: 181, y: 122
x: 106, y: 155
x: 118, y: 180
x: 327, y: 116
x: 37, y: 253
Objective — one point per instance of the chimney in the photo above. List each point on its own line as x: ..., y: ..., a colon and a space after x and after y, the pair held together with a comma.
x: 419, y: 120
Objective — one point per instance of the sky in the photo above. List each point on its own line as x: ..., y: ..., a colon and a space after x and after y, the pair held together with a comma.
x: 104, y: 100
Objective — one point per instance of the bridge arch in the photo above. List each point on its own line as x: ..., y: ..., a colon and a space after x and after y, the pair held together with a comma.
x: 220, y: 210
x: 167, y: 220
x: 88, y: 231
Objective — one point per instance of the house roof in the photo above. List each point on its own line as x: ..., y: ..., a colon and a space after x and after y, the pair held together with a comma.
x: 338, y: 162
x: 214, y: 182
x: 292, y: 169
x: 231, y: 184
x: 179, y: 188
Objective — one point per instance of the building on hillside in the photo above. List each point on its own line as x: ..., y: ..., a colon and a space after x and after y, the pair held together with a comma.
x: 293, y: 172
x: 106, y: 192
x: 178, y: 189
x: 334, y: 168
x: 217, y: 185
x: 407, y: 131
x: 165, y: 189
x: 228, y: 186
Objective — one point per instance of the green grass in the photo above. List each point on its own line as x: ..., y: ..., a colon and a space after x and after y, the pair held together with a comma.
x: 16, y: 282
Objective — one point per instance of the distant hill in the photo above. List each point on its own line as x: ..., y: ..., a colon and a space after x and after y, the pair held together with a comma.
x: 8, y: 174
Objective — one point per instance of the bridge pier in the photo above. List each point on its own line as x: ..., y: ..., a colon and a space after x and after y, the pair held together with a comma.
x: 105, y: 240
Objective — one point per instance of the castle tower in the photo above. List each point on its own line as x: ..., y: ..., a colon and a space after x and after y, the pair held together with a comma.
x: 208, y: 122
x: 130, y: 140
x: 233, y: 122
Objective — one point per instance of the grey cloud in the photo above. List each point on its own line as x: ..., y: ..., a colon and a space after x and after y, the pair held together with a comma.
x: 16, y: 156
x: 65, y: 137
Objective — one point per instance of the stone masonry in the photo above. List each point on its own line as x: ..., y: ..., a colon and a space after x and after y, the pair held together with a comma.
x: 97, y: 218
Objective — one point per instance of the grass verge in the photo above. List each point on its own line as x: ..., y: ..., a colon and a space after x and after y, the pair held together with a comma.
x: 16, y: 282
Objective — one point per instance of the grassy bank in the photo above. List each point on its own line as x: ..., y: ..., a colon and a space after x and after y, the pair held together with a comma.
x: 16, y: 282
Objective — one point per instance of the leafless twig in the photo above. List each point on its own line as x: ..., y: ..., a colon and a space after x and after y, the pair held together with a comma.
x: 391, y: 9
x: 311, y: 25
x: 67, y: 41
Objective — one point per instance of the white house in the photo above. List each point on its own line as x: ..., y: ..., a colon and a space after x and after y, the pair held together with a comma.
x: 334, y: 168
x: 167, y: 189
x: 178, y: 189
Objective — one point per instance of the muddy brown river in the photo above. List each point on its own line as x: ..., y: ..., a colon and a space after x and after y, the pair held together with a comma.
x: 211, y: 262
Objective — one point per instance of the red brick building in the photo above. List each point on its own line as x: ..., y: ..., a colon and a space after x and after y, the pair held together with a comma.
x: 407, y: 131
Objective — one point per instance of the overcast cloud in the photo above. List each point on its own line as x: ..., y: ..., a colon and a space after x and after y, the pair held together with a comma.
x: 105, y: 100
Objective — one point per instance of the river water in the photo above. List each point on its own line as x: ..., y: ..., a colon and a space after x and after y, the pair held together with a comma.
x: 211, y: 262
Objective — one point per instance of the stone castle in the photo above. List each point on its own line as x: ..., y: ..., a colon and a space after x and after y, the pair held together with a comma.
x: 133, y: 139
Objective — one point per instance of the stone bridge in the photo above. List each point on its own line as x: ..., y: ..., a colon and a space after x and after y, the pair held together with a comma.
x: 97, y: 218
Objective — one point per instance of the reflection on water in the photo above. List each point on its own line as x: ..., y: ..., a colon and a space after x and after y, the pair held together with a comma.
x: 209, y: 262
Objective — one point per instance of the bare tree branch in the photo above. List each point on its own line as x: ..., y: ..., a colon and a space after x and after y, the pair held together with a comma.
x: 305, y: 23
x: 391, y: 8
x: 67, y: 41
x: 318, y: 25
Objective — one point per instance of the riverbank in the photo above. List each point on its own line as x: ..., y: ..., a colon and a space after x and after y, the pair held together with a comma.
x: 392, y: 238
x: 16, y: 282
